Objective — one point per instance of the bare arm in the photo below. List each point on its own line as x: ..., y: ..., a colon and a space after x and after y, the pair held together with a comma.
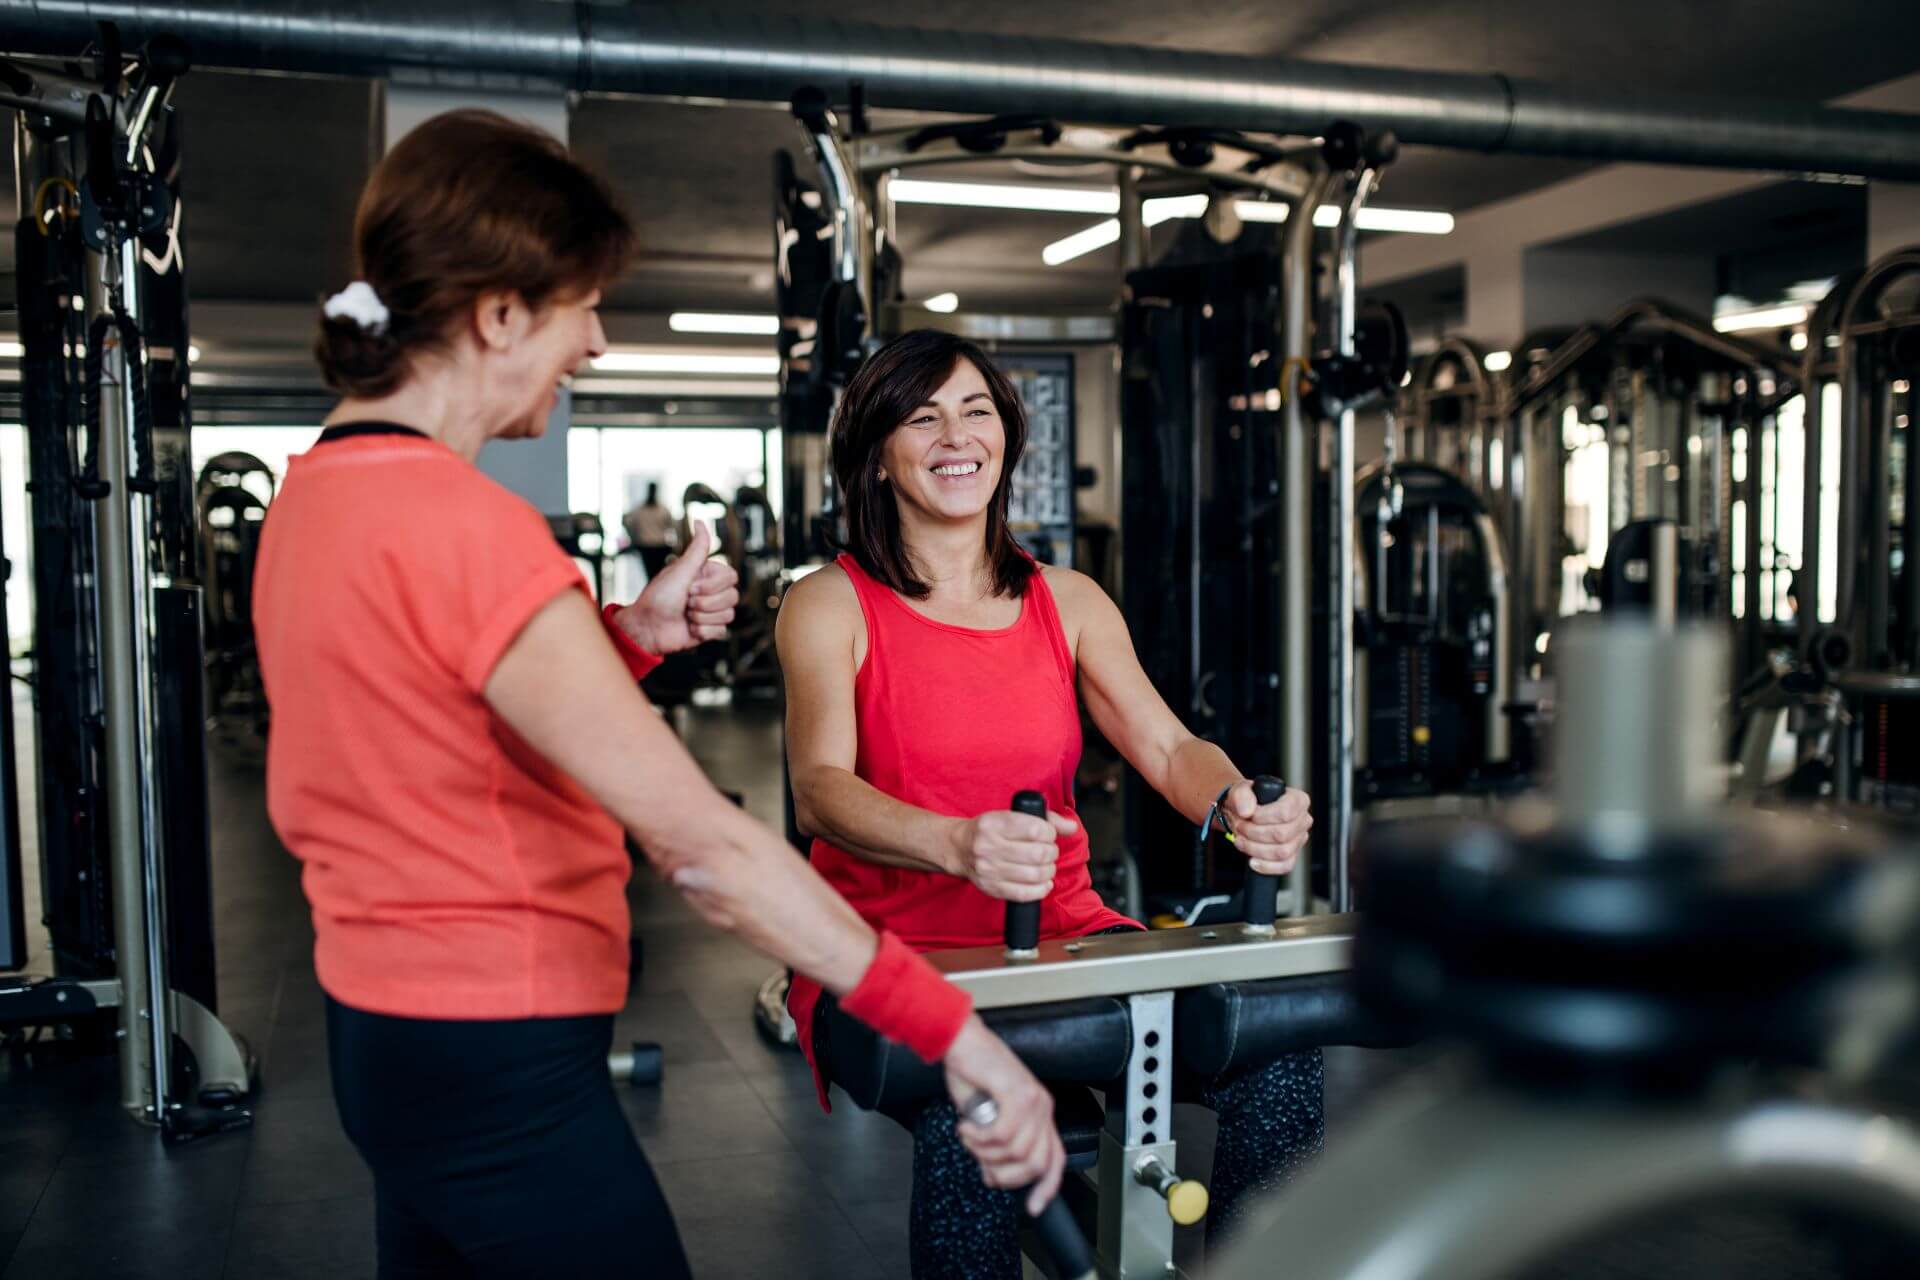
x: 562, y: 689
x: 820, y: 635
x: 1188, y: 771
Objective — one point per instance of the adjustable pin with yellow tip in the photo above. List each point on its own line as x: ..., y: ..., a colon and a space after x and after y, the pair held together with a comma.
x: 1186, y: 1198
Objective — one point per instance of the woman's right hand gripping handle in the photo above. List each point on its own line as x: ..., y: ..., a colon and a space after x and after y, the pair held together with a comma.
x: 1010, y: 855
x: 1021, y: 1148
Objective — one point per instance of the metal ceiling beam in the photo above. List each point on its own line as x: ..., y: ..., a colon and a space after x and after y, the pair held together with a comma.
x: 682, y: 52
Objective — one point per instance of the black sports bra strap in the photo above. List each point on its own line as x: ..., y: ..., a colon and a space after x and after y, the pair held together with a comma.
x: 353, y: 430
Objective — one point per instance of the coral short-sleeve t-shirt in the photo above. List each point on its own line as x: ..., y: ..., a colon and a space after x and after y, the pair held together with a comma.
x: 453, y: 873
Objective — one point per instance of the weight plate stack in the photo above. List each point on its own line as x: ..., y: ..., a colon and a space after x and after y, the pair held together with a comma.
x: 1649, y: 956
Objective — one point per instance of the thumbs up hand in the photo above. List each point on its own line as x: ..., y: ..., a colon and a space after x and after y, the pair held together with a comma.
x: 687, y: 603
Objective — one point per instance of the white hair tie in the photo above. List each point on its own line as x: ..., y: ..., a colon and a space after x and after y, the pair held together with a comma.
x: 360, y: 304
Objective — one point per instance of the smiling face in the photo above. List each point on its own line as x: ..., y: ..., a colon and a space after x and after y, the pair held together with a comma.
x: 546, y: 349
x: 945, y: 457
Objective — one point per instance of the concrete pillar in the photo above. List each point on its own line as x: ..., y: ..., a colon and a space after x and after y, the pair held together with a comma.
x: 1514, y: 291
x: 1496, y: 295
x: 534, y: 469
x: 1893, y: 217
x: 1571, y: 287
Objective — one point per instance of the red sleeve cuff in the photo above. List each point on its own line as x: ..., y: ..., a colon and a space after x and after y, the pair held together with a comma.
x: 905, y: 999
x: 638, y: 660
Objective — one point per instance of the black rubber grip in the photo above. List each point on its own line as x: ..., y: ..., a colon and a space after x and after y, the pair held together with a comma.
x: 1061, y: 1234
x: 1263, y: 891
x: 1023, y: 918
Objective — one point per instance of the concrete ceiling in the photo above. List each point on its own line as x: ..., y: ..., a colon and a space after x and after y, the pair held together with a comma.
x: 273, y: 163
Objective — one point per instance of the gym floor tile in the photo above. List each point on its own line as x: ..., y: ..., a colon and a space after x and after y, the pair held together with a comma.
x: 811, y: 1242
x: 115, y: 1252
x: 799, y: 1114
x: 299, y: 1153
x: 670, y: 1020
x: 293, y: 1064
x: 687, y: 1118
x: 23, y: 1182
x: 748, y: 1189
x: 194, y: 1184
x: 861, y: 1172
x: 781, y: 1076
x: 311, y: 1240
x: 882, y: 1224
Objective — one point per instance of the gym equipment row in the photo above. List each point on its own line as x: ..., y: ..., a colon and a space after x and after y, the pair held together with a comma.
x: 119, y: 660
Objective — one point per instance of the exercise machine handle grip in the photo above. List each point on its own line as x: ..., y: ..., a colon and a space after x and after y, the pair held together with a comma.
x: 1263, y: 891
x: 1061, y: 1234
x: 1023, y: 918
x: 1055, y: 1224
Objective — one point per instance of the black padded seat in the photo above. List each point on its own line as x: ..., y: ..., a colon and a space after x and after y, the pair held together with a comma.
x: 1228, y: 1026
x: 1083, y: 1042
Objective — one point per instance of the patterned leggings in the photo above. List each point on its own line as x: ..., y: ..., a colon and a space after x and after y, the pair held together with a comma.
x: 1271, y: 1123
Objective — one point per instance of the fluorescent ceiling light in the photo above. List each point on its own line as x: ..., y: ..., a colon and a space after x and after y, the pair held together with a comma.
x: 1161, y: 208
x: 1262, y: 210
x: 1156, y: 211
x: 1499, y: 361
x: 944, y: 303
x: 719, y: 322
x: 1781, y: 317
x: 1094, y: 237
x: 11, y: 351
x: 193, y: 354
x: 1420, y: 222
x: 679, y: 388
x: 998, y: 195
x: 1427, y: 222
x: 683, y: 362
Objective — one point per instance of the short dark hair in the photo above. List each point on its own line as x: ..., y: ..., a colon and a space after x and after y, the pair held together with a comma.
x: 467, y: 204
x: 895, y: 380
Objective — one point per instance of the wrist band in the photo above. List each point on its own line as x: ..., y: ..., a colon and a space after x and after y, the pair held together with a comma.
x: 905, y: 999
x: 638, y: 660
x: 1215, y: 814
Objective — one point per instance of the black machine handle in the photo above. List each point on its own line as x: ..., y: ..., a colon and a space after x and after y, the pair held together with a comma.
x: 1055, y: 1224
x: 1061, y: 1234
x: 1023, y: 918
x: 1263, y: 891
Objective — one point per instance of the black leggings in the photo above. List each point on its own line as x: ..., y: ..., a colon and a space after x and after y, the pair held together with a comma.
x: 498, y: 1149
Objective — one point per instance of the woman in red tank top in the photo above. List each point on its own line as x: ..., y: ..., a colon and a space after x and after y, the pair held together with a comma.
x: 934, y: 670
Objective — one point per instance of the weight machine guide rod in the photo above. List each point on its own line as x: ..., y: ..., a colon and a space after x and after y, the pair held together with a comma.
x: 1120, y: 964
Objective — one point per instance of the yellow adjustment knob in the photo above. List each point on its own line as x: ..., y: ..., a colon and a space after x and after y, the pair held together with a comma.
x: 1187, y: 1202
x: 1422, y: 735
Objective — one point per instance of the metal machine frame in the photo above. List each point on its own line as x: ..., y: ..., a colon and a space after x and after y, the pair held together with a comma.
x: 1864, y: 339
x: 1132, y: 1230
x: 129, y: 658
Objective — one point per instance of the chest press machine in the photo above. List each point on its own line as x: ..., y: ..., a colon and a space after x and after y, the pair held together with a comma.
x: 1122, y: 1014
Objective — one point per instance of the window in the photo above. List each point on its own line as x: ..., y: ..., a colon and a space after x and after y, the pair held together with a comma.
x: 609, y: 469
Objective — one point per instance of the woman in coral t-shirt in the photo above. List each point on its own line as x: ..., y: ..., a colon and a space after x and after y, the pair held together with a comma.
x: 456, y: 748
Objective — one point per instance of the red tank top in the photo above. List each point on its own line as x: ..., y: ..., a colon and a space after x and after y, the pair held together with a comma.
x: 955, y: 720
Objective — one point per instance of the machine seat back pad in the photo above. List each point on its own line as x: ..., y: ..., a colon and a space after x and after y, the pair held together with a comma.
x: 1229, y: 1026
x: 1074, y: 1041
